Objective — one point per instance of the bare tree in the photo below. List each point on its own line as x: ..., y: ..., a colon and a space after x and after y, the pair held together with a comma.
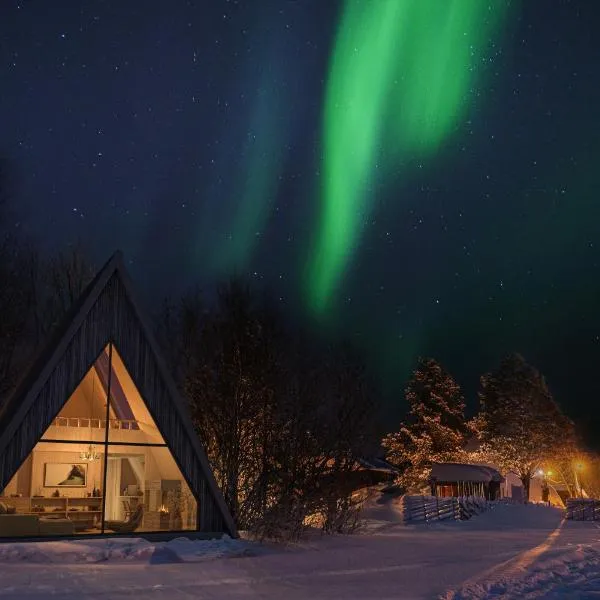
x: 16, y: 298
x: 57, y: 283
x: 325, y: 422
x: 571, y: 466
x: 232, y: 389
x: 282, y: 425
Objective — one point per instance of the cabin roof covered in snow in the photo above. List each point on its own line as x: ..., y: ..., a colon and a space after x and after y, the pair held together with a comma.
x: 377, y: 464
x: 464, y: 472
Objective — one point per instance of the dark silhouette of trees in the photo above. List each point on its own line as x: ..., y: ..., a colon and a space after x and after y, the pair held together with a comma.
x: 35, y: 292
x: 56, y: 283
x: 16, y: 294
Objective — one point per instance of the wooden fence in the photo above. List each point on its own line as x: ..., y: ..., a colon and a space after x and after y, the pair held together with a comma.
x: 583, y: 509
x: 425, y: 509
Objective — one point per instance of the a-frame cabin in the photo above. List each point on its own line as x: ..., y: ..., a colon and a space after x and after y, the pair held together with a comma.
x: 96, y: 439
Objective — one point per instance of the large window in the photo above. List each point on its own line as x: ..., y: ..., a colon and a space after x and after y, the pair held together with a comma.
x: 101, y: 467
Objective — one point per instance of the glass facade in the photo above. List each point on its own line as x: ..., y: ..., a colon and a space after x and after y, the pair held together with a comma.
x: 101, y: 467
x: 166, y: 500
x: 83, y: 417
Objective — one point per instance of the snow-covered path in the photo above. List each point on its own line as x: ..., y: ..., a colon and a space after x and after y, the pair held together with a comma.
x: 568, y: 567
x: 390, y: 561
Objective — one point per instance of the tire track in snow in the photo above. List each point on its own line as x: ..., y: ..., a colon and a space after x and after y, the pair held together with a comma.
x: 513, y: 568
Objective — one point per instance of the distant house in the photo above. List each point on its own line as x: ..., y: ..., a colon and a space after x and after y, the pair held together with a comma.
x: 365, y: 473
x: 457, y: 479
x: 371, y: 471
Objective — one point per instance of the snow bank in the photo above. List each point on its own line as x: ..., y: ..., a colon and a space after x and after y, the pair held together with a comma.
x: 123, y: 549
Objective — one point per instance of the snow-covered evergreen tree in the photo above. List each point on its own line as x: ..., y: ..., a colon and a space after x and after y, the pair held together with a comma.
x: 521, y: 426
x: 435, y: 430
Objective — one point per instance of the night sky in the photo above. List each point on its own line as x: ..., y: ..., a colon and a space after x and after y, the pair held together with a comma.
x: 419, y: 177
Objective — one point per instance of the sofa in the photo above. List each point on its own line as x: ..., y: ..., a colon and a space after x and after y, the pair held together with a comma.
x: 13, y: 524
x: 17, y: 525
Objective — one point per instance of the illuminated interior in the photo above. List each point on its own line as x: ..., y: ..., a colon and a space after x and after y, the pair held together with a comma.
x: 66, y: 486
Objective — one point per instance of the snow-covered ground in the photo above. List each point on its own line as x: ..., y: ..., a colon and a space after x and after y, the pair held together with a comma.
x: 510, y: 552
x: 567, y: 566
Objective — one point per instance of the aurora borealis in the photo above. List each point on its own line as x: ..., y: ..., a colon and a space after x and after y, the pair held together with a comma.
x: 398, y: 83
x: 418, y: 177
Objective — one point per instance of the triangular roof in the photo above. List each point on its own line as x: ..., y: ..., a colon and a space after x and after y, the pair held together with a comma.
x: 107, y: 311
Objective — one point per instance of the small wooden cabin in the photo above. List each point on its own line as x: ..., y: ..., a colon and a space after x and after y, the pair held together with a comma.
x: 365, y: 473
x: 457, y: 479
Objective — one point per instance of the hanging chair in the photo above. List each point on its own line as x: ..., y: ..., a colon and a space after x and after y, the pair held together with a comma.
x: 128, y: 526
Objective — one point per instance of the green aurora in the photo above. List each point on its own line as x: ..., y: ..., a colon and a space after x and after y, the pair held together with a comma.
x: 400, y: 79
x: 257, y: 180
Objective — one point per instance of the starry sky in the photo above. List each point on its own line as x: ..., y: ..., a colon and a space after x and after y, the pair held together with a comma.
x: 420, y: 178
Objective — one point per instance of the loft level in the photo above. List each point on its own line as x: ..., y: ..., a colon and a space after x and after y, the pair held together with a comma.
x: 90, y: 423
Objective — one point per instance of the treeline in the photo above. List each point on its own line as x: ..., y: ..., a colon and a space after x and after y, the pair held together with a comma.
x: 519, y: 428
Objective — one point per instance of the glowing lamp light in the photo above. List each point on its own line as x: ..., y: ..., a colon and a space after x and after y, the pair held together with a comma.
x: 90, y: 454
x: 163, y: 510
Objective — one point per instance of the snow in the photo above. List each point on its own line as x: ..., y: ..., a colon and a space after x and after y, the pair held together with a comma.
x: 511, y: 551
x: 122, y: 550
x: 566, y: 566
x: 464, y: 472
